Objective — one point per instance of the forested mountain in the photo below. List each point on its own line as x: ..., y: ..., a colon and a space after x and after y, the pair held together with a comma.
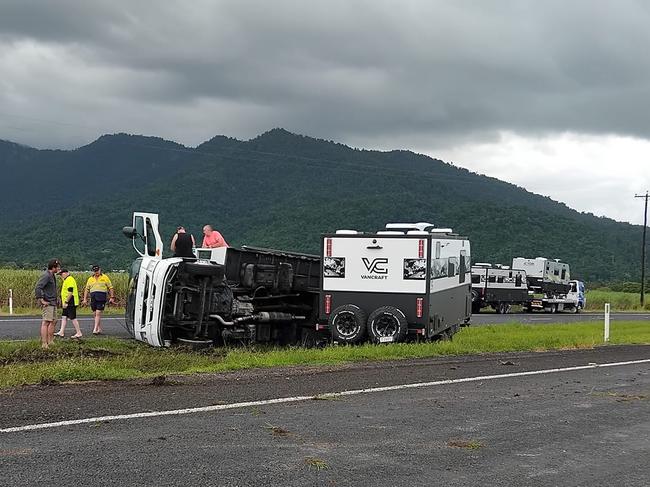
x: 280, y: 190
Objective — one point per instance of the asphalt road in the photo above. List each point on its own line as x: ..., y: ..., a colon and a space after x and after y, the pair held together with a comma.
x: 22, y: 328
x: 487, y: 426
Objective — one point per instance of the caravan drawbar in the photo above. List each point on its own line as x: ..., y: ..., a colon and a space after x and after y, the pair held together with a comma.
x: 409, y: 279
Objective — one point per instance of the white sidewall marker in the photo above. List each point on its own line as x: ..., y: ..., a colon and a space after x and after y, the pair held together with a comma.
x: 284, y: 400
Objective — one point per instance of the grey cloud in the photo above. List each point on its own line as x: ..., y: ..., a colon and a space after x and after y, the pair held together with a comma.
x: 346, y: 70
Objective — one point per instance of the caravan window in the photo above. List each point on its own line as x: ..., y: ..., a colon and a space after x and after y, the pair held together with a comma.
x: 476, y: 279
x: 518, y: 280
x: 453, y: 267
x: 492, y: 278
x: 563, y: 274
x: 500, y: 279
x: 463, y: 266
x: 438, y: 268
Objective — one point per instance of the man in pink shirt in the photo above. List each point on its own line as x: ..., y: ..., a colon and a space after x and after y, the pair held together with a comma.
x: 212, y: 239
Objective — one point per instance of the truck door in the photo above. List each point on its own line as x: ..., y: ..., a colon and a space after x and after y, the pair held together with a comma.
x: 147, y: 242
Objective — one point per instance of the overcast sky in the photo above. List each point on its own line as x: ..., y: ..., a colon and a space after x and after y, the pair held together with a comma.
x: 550, y: 95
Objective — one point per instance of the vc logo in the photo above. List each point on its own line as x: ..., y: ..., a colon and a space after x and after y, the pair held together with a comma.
x: 376, y: 266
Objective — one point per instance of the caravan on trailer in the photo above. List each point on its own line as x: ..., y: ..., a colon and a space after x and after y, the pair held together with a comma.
x: 538, y: 284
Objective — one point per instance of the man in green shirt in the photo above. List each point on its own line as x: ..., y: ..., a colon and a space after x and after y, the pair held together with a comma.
x: 69, y: 302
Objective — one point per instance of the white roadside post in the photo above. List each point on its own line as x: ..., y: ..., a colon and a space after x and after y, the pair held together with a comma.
x: 11, y: 301
x: 606, y: 322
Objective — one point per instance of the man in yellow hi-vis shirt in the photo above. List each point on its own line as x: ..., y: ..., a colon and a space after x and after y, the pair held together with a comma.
x: 100, y: 288
x: 69, y: 302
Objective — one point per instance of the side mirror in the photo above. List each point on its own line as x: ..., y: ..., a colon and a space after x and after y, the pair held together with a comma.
x: 130, y: 232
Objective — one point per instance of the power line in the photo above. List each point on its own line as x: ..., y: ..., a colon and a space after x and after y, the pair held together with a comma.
x: 645, y: 226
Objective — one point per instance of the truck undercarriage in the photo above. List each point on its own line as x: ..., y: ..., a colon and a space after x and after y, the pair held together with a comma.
x: 257, y: 295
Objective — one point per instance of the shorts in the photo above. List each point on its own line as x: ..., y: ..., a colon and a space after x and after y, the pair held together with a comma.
x: 70, y: 312
x: 97, y: 301
x: 49, y: 313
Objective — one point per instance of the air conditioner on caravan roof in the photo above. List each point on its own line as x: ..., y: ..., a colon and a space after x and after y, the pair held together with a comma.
x: 422, y: 226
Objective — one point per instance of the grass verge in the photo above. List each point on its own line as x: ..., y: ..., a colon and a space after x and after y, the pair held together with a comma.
x: 619, y: 301
x: 110, y: 359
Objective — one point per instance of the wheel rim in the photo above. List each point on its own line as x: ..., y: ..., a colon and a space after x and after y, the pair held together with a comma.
x: 385, y: 325
x: 346, y: 324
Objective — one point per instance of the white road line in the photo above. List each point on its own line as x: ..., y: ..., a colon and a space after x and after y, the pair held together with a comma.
x: 283, y: 400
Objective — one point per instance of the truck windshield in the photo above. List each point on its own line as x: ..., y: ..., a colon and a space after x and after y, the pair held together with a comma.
x: 130, y: 298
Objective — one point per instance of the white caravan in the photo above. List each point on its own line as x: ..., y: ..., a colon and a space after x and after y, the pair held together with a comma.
x: 497, y: 287
x: 410, y: 278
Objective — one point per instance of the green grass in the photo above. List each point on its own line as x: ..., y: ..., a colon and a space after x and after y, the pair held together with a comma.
x: 619, y: 301
x: 22, y: 283
x: 112, y: 359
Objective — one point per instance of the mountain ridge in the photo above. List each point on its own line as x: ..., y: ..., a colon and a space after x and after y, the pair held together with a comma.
x: 283, y: 190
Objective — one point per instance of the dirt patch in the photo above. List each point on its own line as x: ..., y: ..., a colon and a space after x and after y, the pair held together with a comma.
x: 41, y: 356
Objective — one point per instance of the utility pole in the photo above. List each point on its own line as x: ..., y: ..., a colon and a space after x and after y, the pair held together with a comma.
x: 645, y: 226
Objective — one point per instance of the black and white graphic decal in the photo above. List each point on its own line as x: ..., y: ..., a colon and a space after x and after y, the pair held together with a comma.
x: 334, y: 267
x: 415, y: 268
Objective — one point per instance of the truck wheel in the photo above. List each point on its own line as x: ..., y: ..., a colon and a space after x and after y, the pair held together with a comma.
x: 387, y: 324
x: 347, y: 324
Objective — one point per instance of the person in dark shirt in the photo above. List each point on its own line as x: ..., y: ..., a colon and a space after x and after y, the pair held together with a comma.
x: 183, y: 243
x: 45, y: 292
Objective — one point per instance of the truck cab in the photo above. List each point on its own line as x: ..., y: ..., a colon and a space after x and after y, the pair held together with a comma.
x: 220, y: 296
x: 577, y: 294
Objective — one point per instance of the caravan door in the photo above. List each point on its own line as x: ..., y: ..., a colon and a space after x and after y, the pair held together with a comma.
x: 147, y: 242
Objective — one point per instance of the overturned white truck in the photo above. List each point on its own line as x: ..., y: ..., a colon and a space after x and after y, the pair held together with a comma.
x: 385, y: 285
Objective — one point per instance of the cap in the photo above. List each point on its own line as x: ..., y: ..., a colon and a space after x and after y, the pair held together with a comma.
x: 95, y: 268
x: 180, y: 227
x: 63, y: 270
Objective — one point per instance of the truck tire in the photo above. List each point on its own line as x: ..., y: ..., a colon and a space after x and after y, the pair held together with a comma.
x: 387, y: 324
x: 347, y: 324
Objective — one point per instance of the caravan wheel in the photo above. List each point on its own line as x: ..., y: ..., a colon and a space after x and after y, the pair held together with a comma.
x: 387, y: 324
x: 347, y: 324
